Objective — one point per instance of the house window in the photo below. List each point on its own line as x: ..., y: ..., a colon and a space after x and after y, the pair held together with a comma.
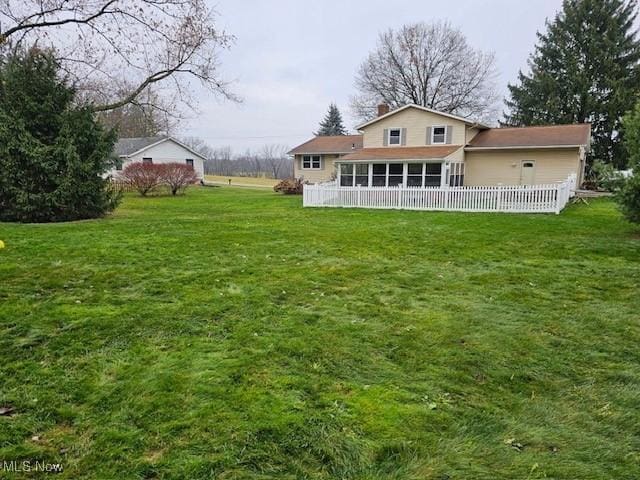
x: 414, y: 174
x: 147, y: 160
x: 394, y: 136
x: 311, y: 162
x: 346, y: 175
x: 456, y: 174
x: 379, y: 175
x: 189, y: 162
x: 354, y: 174
x: 432, y: 174
x: 362, y: 174
x: 439, y: 134
x: 395, y: 174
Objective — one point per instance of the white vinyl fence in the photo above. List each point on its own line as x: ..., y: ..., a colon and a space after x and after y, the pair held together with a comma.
x: 550, y: 198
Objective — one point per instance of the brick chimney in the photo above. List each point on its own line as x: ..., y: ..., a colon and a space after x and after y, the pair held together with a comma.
x: 383, y: 109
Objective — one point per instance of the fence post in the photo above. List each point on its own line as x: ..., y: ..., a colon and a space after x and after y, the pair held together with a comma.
x: 359, y: 187
x: 558, y: 199
x: 499, y: 199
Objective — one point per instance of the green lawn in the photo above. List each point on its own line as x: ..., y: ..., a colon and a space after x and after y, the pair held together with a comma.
x: 232, y: 334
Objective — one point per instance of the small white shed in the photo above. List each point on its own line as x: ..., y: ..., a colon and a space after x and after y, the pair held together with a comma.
x: 156, y: 150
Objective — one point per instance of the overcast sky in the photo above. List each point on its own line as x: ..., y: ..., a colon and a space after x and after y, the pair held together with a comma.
x: 292, y: 58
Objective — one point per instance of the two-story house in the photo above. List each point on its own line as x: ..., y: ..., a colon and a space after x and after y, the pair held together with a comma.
x: 416, y: 146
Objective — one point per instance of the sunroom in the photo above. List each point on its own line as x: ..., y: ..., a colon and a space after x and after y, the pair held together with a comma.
x: 408, y: 174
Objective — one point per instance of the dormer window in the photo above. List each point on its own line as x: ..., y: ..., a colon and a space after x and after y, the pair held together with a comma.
x: 394, y: 136
x: 439, y: 134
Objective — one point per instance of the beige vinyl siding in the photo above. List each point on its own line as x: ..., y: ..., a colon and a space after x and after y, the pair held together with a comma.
x: 471, y: 132
x: 316, y: 176
x: 457, y: 156
x: 416, y: 122
x: 492, y: 167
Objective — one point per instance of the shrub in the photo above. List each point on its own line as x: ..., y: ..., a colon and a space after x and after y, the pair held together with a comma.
x: 290, y: 186
x: 143, y: 177
x: 604, y: 176
x: 177, y: 176
x: 628, y: 198
x: 53, y: 152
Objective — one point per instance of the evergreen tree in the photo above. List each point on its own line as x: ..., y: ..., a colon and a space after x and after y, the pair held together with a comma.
x: 631, y: 131
x: 332, y: 123
x: 584, y: 69
x: 52, y: 153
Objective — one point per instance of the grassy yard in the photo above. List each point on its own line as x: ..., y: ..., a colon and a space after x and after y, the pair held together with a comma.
x: 232, y: 334
x: 242, y: 181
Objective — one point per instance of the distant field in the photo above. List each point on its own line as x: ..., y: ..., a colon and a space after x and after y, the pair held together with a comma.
x: 242, y: 181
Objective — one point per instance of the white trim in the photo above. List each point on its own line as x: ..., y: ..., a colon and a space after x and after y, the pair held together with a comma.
x: 323, y: 153
x: 522, y: 147
x: 146, y: 148
x: 425, y: 109
x: 162, y: 141
x: 393, y: 160
x: 444, y: 179
x: 444, y: 140
x: 187, y: 147
x: 389, y: 144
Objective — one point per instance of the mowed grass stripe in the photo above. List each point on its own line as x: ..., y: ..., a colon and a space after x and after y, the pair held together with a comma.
x: 230, y: 333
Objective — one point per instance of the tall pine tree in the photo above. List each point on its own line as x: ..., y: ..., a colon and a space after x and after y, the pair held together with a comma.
x: 332, y: 123
x: 585, y: 68
x: 53, y: 152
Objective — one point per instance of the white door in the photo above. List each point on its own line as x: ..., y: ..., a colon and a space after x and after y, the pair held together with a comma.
x: 527, y: 172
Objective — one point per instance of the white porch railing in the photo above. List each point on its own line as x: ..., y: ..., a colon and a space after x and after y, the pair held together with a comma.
x: 550, y: 198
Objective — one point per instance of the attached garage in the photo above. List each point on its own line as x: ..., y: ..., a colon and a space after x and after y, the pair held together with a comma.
x: 522, y: 166
x: 527, y: 155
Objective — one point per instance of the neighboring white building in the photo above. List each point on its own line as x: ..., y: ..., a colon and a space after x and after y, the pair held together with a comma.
x: 156, y: 150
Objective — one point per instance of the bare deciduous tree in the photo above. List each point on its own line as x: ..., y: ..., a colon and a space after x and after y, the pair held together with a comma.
x: 269, y: 160
x: 143, y: 177
x: 430, y: 65
x: 165, y: 43
x: 177, y: 176
x: 275, y: 158
x: 199, y: 145
x: 146, y: 116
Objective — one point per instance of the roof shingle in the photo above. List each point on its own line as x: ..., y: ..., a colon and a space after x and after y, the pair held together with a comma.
x: 402, y: 153
x: 539, y: 136
x: 127, y: 146
x: 329, y: 144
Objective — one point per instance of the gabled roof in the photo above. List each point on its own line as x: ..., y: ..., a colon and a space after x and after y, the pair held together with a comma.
x: 127, y: 147
x: 424, y: 109
x: 329, y: 144
x: 550, y: 136
x: 402, y: 153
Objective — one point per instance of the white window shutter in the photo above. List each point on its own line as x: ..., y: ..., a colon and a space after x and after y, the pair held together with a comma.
x: 449, y: 133
x: 403, y: 136
x: 385, y: 137
x: 428, y: 142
